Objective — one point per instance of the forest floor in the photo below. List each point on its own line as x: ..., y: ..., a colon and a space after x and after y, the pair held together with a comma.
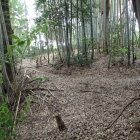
x: 89, y: 98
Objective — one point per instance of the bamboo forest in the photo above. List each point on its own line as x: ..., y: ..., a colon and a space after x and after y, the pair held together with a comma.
x: 69, y: 69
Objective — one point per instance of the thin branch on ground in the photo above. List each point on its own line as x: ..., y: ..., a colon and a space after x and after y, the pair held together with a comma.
x: 17, y: 108
x: 135, y: 99
x: 85, y: 91
x: 41, y: 88
x: 49, y: 104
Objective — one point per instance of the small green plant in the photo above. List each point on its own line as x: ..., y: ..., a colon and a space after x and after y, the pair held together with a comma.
x: 1, y: 81
x: 6, y: 117
x: 6, y: 123
x: 7, y: 120
x: 81, y: 59
x: 42, y: 79
x: 22, y: 113
x: 138, y: 55
x: 19, y: 46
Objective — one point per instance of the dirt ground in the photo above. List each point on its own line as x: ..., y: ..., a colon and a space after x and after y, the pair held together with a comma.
x: 89, y: 99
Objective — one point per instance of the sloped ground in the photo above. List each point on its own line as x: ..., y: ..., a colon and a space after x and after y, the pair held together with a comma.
x: 90, y: 100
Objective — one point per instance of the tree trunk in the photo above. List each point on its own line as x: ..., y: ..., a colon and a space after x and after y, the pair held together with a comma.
x: 77, y: 31
x: 58, y: 49
x: 128, y: 34
x: 91, y: 27
x: 67, y: 33
x: 6, y: 12
x: 136, y: 5
x: 83, y: 31
x: 107, y: 23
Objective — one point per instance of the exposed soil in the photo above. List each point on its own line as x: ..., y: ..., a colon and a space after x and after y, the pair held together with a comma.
x: 89, y: 100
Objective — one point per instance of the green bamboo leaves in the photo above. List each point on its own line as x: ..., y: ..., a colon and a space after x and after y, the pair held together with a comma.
x: 18, y: 47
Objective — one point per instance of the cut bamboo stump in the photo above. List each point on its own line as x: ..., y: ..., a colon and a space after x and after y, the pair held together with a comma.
x: 60, y: 123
